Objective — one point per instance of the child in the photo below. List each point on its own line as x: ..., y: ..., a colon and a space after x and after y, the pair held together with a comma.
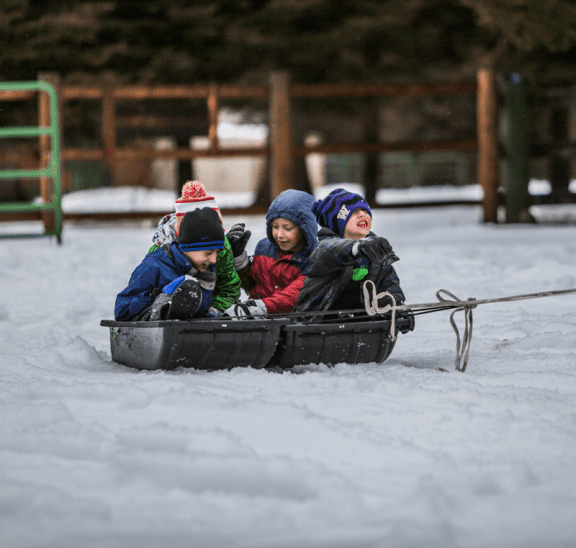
x: 194, y: 196
x: 274, y: 275
x: 176, y: 281
x: 347, y: 255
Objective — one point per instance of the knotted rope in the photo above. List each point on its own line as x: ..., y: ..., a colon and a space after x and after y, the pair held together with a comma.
x: 462, y: 346
x: 372, y: 308
x: 467, y: 335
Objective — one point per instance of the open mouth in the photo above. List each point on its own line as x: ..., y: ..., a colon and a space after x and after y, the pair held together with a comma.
x: 362, y: 224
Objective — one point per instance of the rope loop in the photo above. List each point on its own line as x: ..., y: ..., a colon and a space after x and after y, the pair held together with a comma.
x: 462, y: 352
x: 372, y: 308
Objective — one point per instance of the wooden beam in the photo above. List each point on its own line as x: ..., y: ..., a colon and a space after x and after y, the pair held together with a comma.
x: 371, y: 148
x: 380, y: 90
x: 17, y: 95
x: 280, y: 133
x: 212, y: 102
x: 126, y: 153
x: 109, y: 128
x: 487, y: 128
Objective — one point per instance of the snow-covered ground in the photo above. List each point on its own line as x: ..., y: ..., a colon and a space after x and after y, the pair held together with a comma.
x: 95, y: 454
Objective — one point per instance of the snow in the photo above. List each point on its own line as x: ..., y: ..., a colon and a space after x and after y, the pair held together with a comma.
x: 95, y: 454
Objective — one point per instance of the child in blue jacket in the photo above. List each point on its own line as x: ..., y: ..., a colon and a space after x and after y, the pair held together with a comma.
x: 176, y: 281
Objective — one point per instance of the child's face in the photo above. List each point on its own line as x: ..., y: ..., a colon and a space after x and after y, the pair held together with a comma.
x: 201, y: 260
x: 358, y: 226
x: 288, y: 235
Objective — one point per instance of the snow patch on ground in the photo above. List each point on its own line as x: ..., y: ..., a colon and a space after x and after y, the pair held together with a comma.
x: 95, y: 454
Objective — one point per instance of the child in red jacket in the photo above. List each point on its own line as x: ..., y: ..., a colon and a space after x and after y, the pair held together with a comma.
x: 274, y: 275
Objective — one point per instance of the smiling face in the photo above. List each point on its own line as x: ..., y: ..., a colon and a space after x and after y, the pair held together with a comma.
x: 201, y: 260
x: 358, y: 225
x: 289, y: 236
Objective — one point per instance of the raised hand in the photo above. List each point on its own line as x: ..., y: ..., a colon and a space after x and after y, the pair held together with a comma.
x: 375, y: 249
x: 238, y: 237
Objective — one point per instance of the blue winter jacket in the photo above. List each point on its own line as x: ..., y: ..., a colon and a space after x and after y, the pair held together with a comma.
x: 157, y: 270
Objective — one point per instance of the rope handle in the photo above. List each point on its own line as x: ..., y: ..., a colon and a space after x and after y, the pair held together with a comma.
x: 462, y: 353
x: 371, y: 299
x: 372, y: 308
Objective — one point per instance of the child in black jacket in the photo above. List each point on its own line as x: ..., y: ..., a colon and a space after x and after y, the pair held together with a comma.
x: 348, y: 254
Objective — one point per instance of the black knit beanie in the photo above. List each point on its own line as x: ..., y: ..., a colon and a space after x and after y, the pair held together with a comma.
x: 201, y: 229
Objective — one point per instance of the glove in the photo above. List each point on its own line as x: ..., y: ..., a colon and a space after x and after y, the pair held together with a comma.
x: 238, y: 237
x: 186, y: 297
x: 375, y: 249
x: 248, y: 310
x: 169, y: 289
x: 213, y: 313
x: 405, y: 326
x: 160, y: 308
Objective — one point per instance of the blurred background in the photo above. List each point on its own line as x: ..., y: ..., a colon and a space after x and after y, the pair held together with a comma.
x: 198, y: 76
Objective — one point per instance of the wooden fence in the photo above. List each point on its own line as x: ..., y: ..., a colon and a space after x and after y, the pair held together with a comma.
x: 280, y: 149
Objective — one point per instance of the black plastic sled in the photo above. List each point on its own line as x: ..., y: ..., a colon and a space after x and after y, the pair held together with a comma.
x: 199, y: 344
x: 273, y: 342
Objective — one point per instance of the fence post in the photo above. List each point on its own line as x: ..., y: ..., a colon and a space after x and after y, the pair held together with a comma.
x: 280, y: 133
x: 487, y: 128
x: 212, y: 102
x: 109, y: 129
x: 47, y: 183
x: 514, y: 128
x: 559, y: 167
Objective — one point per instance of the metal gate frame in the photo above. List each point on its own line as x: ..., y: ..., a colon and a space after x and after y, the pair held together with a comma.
x: 52, y: 170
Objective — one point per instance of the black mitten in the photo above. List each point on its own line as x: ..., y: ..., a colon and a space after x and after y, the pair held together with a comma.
x: 238, y: 237
x: 375, y: 249
x: 186, y: 300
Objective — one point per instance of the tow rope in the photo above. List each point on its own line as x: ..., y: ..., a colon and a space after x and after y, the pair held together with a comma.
x: 462, y: 347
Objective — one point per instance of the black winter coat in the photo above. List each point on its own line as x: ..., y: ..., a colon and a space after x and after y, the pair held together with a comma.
x: 331, y: 266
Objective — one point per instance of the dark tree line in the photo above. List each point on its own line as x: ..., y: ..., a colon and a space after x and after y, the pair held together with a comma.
x: 242, y: 41
x: 184, y: 41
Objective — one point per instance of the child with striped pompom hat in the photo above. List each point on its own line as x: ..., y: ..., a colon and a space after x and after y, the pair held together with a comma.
x: 195, y: 196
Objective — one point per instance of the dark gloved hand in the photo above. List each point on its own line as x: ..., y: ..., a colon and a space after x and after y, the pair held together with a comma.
x: 375, y: 249
x: 238, y: 237
x: 405, y: 321
x: 186, y: 298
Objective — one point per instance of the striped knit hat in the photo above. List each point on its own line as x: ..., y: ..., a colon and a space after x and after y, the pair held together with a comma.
x: 194, y: 196
x: 201, y: 229
x: 335, y: 209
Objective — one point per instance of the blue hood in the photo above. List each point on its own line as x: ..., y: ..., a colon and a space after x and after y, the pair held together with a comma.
x: 296, y: 206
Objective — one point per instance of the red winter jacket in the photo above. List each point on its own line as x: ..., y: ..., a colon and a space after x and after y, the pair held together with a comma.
x: 276, y: 281
x: 274, y: 276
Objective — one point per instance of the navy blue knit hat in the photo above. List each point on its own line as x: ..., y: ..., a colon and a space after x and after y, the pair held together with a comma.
x: 201, y: 229
x: 334, y: 211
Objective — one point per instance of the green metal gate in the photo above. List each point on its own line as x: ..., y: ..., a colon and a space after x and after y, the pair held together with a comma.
x: 52, y: 170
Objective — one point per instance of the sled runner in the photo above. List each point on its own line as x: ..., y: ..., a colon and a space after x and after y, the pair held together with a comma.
x: 283, y: 342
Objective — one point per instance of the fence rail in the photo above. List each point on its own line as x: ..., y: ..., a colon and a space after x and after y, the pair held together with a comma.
x: 279, y: 93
